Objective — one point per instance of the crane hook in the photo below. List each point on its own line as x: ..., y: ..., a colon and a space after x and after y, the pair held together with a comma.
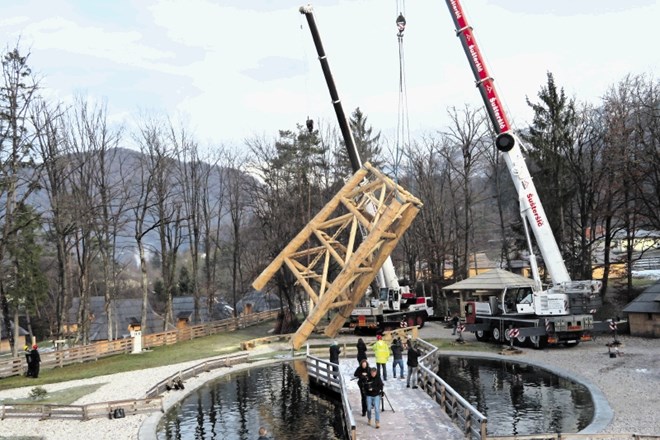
x: 401, y: 24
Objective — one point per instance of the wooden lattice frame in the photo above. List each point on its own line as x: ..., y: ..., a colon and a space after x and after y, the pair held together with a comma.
x: 371, y: 205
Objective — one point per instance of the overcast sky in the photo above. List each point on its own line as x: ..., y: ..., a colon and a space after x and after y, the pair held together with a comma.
x: 235, y: 69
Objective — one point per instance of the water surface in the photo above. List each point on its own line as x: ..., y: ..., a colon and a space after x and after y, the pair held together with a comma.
x: 518, y: 398
x: 235, y: 406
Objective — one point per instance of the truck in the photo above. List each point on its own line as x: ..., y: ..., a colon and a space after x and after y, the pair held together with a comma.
x: 561, y: 313
x: 395, y: 305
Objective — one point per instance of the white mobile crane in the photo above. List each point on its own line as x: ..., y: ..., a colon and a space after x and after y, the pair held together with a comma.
x: 395, y: 304
x: 563, y: 312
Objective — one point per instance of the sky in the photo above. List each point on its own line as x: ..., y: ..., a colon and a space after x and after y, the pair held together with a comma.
x: 238, y: 69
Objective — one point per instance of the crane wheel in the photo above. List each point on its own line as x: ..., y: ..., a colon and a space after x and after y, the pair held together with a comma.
x: 497, y: 334
x: 482, y: 336
x: 538, y: 342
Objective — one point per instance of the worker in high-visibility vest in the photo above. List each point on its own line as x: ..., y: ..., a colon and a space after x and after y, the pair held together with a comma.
x: 382, y: 352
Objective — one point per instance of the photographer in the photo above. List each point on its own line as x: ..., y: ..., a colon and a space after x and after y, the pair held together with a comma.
x: 362, y: 374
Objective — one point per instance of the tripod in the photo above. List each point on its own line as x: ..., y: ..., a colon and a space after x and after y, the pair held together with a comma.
x: 382, y: 402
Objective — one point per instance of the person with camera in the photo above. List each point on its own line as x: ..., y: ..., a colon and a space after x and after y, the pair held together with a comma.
x: 374, y: 391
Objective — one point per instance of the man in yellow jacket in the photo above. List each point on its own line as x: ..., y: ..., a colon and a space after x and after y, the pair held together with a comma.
x: 382, y: 352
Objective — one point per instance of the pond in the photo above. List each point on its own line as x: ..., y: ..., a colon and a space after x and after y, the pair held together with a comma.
x: 235, y: 406
x: 518, y: 398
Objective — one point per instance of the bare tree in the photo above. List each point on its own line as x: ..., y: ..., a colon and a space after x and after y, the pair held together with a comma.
x: 621, y: 158
x: 139, y: 181
x: 168, y: 211
x: 212, y: 211
x: 463, y: 149
x: 58, y: 219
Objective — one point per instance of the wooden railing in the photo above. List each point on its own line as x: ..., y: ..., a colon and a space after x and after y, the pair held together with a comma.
x: 85, y: 353
x: 465, y: 416
x: 81, y: 412
x: 326, y: 374
x: 208, y: 365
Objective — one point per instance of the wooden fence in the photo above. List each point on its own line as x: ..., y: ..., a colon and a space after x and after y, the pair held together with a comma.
x: 208, y: 365
x: 327, y: 374
x: 462, y: 413
x: 85, y: 353
x: 81, y: 412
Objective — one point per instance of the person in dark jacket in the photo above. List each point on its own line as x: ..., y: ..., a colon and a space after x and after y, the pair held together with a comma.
x: 373, y: 389
x: 454, y: 323
x: 413, y: 364
x: 334, y: 354
x: 397, y: 356
x: 36, y: 360
x: 361, y: 350
x: 28, y: 359
x: 362, y: 374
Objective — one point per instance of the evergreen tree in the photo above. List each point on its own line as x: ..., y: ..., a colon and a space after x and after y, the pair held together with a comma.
x: 186, y: 285
x: 27, y: 286
x: 366, y: 142
x: 550, y: 136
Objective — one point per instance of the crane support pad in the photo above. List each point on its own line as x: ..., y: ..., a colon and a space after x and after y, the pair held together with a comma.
x: 379, y: 212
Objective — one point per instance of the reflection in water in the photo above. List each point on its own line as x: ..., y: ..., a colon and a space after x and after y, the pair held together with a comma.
x: 233, y: 407
x: 518, y: 399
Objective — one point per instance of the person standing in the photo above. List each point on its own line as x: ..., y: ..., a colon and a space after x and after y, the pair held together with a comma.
x: 36, y: 360
x: 374, y: 390
x: 397, y: 355
x: 334, y: 355
x: 413, y: 364
x: 28, y: 359
x: 454, y: 322
x: 382, y: 353
x: 361, y: 350
x: 362, y: 374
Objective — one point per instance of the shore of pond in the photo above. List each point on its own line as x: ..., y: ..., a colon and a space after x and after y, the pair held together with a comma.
x: 630, y: 383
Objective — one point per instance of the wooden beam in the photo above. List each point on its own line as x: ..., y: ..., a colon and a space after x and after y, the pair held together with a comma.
x: 361, y: 286
x: 343, y: 278
x: 307, y: 231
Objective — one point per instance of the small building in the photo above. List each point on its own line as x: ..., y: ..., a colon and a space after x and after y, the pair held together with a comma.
x: 127, y: 316
x: 482, y: 286
x: 23, y: 338
x: 644, y: 313
x: 257, y: 301
x: 183, y: 310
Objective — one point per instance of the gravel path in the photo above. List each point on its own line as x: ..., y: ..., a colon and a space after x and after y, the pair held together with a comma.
x: 630, y: 384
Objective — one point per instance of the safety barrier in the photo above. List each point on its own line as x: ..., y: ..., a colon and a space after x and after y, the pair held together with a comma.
x: 113, y: 409
x: 472, y: 423
x: 85, y: 353
x: 326, y: 374
x: 208, y: 365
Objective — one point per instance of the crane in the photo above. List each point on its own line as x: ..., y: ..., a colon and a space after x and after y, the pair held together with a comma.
x: 394, y: 301
x: 566, y: 307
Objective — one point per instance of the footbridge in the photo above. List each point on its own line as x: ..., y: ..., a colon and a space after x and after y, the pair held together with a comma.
x: 433, y: 410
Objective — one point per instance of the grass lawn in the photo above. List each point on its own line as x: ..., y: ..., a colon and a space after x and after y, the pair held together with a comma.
x: 62, y: 397
x: 469, y: 345
x: 200, y: 348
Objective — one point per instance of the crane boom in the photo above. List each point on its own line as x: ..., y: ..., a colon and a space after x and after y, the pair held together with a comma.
x: 386, y: 275
x: 510, y: 146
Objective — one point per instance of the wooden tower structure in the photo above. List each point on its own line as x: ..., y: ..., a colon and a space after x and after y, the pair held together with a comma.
x: 338, y: 253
